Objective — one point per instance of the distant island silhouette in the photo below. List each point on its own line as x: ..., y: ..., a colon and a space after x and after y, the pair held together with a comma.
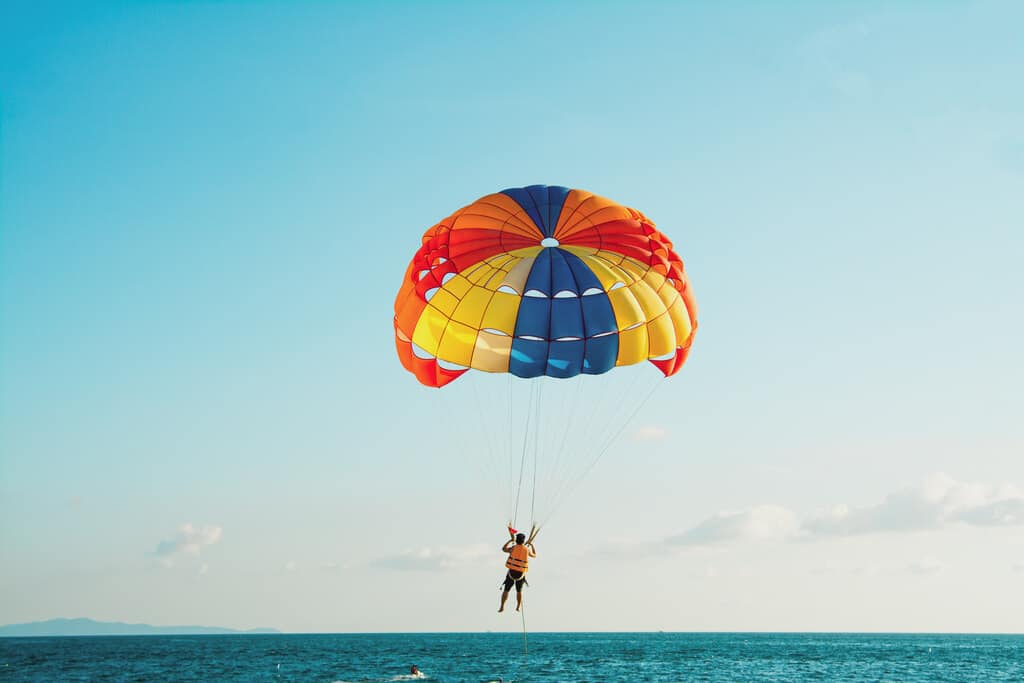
x: 91, y: 627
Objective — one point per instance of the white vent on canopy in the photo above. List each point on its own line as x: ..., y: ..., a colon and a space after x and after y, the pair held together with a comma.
x: 420, y: 352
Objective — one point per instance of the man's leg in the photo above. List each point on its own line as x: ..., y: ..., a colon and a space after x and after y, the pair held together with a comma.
x: 504, y: 597
x: 519, y: 597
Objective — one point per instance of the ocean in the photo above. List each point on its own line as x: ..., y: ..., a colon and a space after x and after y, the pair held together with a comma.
x: 551, y: 657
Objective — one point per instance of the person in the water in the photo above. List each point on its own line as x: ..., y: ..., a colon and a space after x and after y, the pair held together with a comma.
x: 518, y: 563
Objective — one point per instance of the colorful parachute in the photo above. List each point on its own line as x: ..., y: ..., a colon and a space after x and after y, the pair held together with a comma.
x: 543, y: 281
x: 556, y: 286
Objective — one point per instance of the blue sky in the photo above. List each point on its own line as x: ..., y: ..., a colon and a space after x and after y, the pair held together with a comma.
x: 206, y: 209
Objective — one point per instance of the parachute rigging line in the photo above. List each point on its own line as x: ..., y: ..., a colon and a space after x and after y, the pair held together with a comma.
x: 559, y: 498
x: 522, y: 613
x: 536, y: 451
x: 522, y: 460
x: 490, y: 465
x: 573, y: 406
x: 511, y: 432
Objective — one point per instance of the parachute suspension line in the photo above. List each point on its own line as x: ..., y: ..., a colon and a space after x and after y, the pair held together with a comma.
x: 564, y: 462
x: 594, y: 421
x: 536, y: 450
x: 603, y: 442
x: 567, y: 483
x: 639, y: 406
x: 560, y: 421
x: 522, y: 613
x: 608, y: 443
x: 522, y: 459
x: 491, y: 465
x: 572, y: 412
x: 462, y: 439
x: 511, y: 434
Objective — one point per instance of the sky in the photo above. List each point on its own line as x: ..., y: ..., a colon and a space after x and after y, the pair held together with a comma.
x: 206, y: 210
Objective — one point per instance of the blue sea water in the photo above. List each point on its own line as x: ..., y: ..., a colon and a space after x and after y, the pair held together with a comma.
x: 478, y: 657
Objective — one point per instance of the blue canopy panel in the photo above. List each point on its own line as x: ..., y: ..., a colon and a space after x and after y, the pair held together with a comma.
x: 560, y: 332
x: 543, y: 203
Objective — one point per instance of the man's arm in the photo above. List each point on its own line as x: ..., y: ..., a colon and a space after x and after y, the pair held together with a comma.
x: 533, y: 550
x: 507, y: 548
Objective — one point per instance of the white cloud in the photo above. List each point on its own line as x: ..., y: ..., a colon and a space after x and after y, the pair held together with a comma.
x: 762, y: 523
x: 925, y: 566
x: 939, y: 501
x: 828, y: 569
x: 437, y: 558
x: 833, y: 569
x: 868, y: 570
x: 650, y: 433
x: 188, y: 541
x: 289, y: 567
x: 1008, y: 512
x: 334, y: 566
x: 1018, y: 567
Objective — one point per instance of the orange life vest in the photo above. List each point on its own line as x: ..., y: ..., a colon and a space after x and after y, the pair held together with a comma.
x: 518, y: 559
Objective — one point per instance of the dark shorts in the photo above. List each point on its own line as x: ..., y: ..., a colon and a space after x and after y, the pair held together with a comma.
x: 514, y: 577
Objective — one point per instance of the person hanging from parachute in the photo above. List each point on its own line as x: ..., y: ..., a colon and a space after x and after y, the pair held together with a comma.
x: 520, y: 549
x: 547, y: 285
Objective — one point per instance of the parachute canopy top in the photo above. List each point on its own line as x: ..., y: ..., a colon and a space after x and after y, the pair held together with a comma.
x: 543, y: 280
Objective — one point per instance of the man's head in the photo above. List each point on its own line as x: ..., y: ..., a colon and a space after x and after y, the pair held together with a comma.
x: 520, y: 538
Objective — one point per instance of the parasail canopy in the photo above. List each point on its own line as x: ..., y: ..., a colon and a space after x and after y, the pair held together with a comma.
x: 543, y: 281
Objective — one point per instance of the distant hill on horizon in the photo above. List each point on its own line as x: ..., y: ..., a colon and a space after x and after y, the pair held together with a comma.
x: 91, y: 627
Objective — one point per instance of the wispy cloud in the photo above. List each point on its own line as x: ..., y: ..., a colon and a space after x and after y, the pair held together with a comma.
x: 1018, y: 567
x: 925, y: 566
x: 940, y: 501
x: 188, y: 541
x: 831, y: 568
x: 650, y: 433
x: 828, y: 569
x: 762, y: 523
x: 867, y: 570
x: 334, y: 567
x: 436, y: 558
